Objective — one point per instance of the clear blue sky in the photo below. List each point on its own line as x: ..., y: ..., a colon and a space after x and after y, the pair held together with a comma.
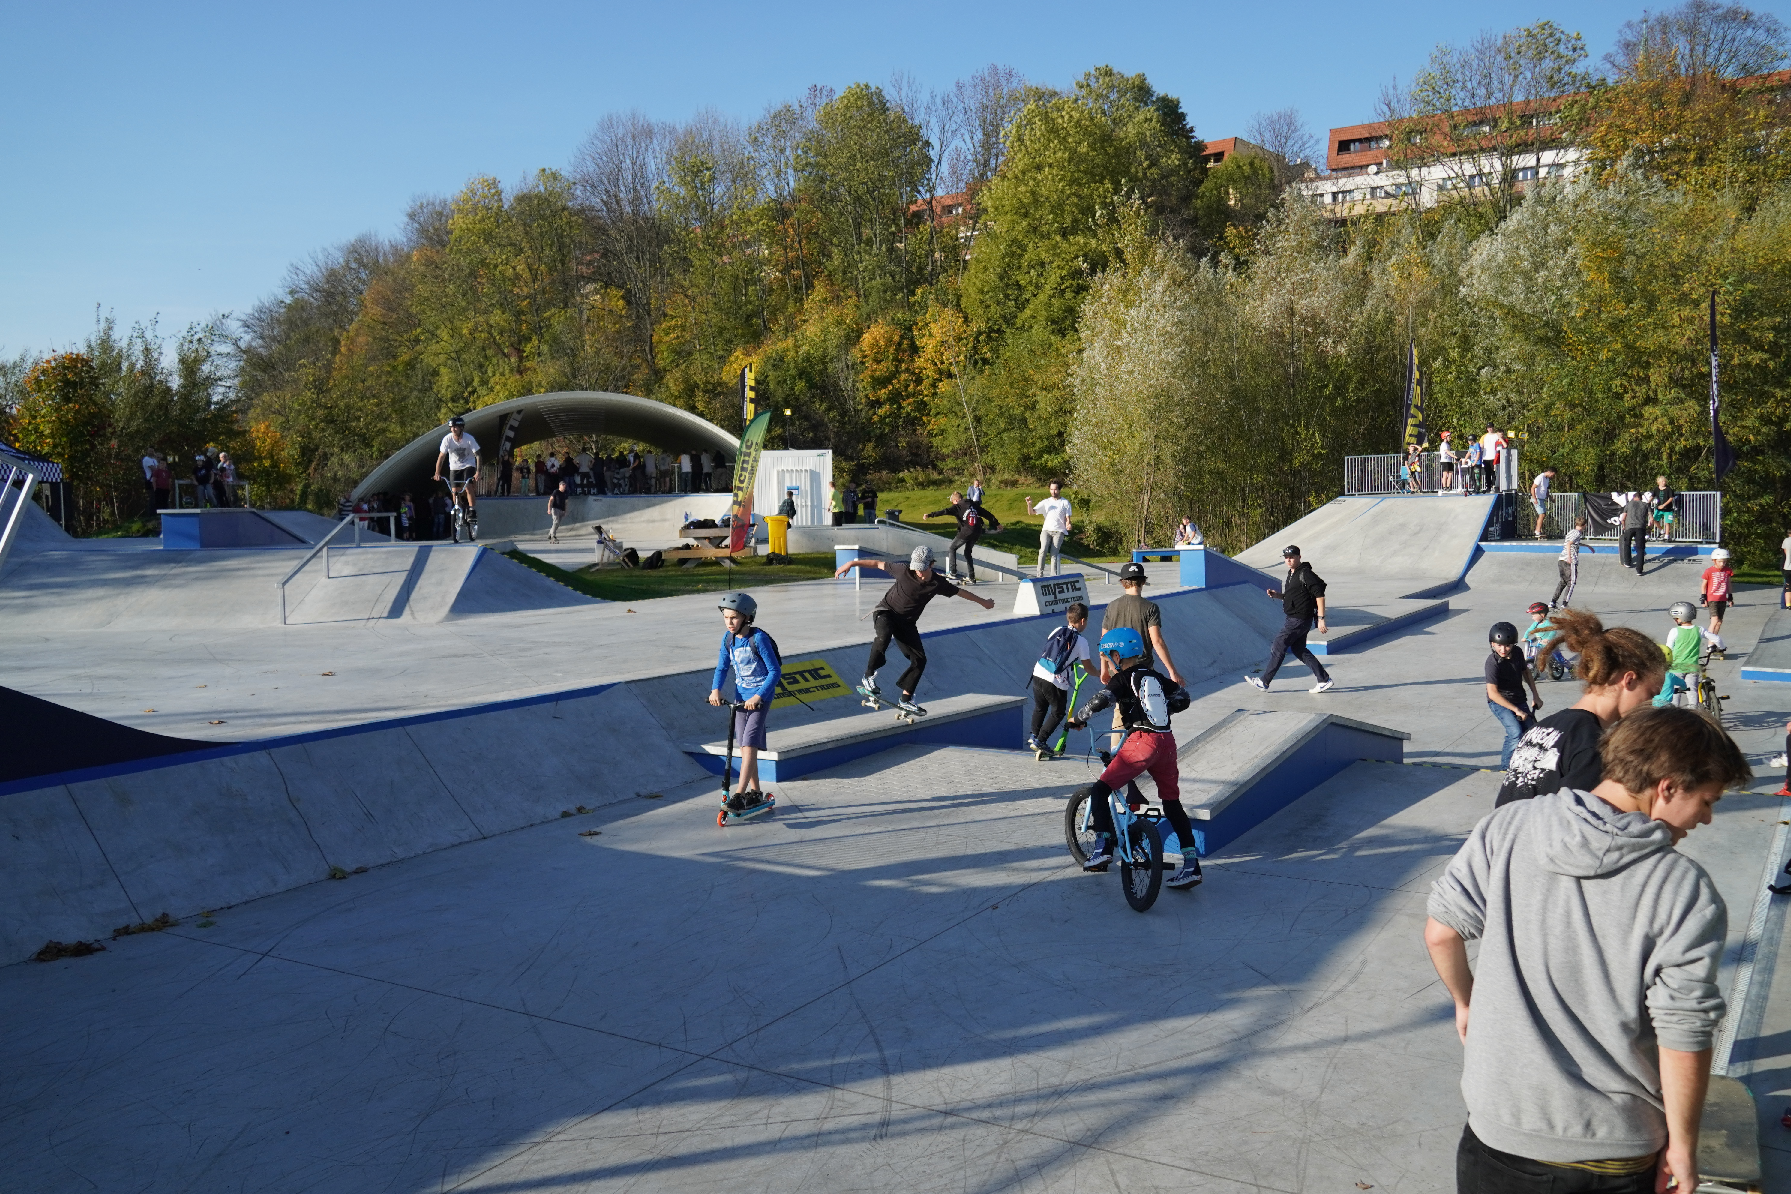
x: 173, y: 160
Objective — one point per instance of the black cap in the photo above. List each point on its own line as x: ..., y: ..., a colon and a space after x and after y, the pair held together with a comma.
x: 1132, y: 571
x: 457, y: 421
x: 1289, y: 551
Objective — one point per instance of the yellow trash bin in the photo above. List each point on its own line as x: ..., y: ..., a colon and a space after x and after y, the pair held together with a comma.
x: 780, y: 533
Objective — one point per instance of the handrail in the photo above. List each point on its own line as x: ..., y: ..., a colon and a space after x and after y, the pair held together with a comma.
x: 321, y: 544
x: 991, y: 565
x: 12, y: 522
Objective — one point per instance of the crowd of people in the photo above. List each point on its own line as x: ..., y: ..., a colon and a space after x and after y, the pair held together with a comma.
x: 634, y: 471
x: 216, y: 483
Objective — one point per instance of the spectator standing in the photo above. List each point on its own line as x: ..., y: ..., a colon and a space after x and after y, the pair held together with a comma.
x: 975, y: 492
x: 1054, y: 512
x: 652, y: 472
x: 553, y: 473
x: 1470, y: 469
x: 160, y: 481
x: 684, y: 472
x: 1302, y: 598
x: 836, y: 507
x: 1665, y: 501
x: 202, y: 493
x: 583, y: 461
x: 1133, y: 612
x: 1445, y: 462
x: 1539, y: 487
x: 407, y: 519
x: 867, y: 500
x: 1785, y: 571
x: 1492, y: 447
x: 637, y: 471
x: 438, y: 508
x: 1632, y: 544
x: 852, y: 504
x: 787, y: 507
x: 224, y: 480
x: 505, y: 469
x: 1588, y: 1018
x: 556, y: 510
x: 540, y: 477
x: 149, y: 461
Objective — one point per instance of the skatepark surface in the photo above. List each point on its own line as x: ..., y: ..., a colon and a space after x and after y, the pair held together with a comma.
x: 896, y: 982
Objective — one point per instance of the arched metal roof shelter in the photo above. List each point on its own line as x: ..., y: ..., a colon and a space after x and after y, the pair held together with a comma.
x: 543, y: 416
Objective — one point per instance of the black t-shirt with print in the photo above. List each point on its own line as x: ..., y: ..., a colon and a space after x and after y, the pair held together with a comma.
x: 1507, y: 675
x: 910, y: 594
x: 1560, y: 751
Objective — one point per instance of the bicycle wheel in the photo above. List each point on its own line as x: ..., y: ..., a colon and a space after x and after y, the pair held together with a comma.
x: 1142, y: 878
x: 1708, y: 700
x: 1078, y: 828
x: 1557, y: 668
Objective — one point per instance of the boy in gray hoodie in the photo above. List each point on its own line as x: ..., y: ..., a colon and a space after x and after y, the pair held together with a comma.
x: 1594, y: 999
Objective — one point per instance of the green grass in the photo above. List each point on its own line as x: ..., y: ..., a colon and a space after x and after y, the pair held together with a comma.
x: 615, y: 583
x: 1759, y: 576
x: 141, y: 526
x: 1019, y: 530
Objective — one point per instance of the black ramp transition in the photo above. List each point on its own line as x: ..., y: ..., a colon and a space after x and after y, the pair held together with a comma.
x: 43, y: 738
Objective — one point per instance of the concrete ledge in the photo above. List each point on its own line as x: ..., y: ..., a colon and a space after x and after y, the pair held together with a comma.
x: 974, y: 720
x: 193, y: 530
x: 1350, y: 640
x: 1254, y: 763
x: 1543, y: 547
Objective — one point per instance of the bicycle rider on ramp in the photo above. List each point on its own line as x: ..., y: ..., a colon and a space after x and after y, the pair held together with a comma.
x: 1146, y: 700
x: 460, y: 452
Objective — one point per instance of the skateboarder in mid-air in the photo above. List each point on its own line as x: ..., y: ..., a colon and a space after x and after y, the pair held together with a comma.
x: 972, y: 521
x: 896, y: 616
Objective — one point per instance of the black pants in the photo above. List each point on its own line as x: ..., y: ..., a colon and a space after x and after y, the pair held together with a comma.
x: 1570, y: 575
x: 1048, y: 702
x: 1632, y: 549
x: 1293, y: 638
x: 1489, y: 476
x: 1483, y: 1170
x: 907, y: 636
x: 966, y: 540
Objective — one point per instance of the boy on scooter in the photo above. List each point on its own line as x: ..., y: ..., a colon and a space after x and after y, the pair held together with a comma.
x: 751, y: 655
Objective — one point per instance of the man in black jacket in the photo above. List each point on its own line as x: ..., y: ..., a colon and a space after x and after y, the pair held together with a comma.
x: 1632, y: 547
x: 1302, y: 597
x: 972, y: 521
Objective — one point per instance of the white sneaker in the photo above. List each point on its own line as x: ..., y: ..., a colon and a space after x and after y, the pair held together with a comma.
x: 1776, y: 761
x: 1256, y: 682
x: 1323, y: 686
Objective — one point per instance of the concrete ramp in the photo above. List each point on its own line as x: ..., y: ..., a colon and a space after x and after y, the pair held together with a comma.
x: 44, y: 738
x: 307, y: 526
x: 1387, y: 560
x: 1603, y: 583
x: 1770, y: 660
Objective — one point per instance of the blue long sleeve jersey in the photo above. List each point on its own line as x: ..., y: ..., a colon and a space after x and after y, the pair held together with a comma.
x: 755, y: 662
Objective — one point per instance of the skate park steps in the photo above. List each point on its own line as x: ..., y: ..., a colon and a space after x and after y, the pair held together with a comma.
x: 1387, y: 560
x: 1254, y: 763
x: 975, y: 719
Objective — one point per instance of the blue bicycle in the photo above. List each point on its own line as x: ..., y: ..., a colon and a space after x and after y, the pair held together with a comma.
x: 1137, y: 840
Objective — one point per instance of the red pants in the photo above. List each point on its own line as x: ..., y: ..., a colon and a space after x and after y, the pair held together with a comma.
x: 1154, y: 753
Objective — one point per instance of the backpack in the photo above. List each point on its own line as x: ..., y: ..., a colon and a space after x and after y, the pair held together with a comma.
x: 656, y: 560
x: 631, y: 558
x: 1060, y: 645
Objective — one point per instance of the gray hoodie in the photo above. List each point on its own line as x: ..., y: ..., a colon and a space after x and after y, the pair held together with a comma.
x: 1599, y: 945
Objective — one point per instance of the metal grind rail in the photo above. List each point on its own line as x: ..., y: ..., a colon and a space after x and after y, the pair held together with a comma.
x: 25, y: 480
x: 324, y: 544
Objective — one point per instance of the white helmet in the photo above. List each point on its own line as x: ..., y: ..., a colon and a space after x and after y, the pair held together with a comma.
x: 1721, y: 553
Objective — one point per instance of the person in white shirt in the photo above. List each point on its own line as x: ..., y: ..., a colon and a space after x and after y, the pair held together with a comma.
x: 1445, y: 463
x: 1055, y: 510
x: 1569, y: 564
x: 460, y: 453
x: 1492, y: 446
x: 1188, y: 534
x: 149, y: 463
x: 1539, y: 496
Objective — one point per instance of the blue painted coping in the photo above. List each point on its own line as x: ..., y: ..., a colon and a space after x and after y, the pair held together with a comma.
x: 991, y: 729
x: 1766, y: 674
x: 1328, y: 752
x: 1201, y: 567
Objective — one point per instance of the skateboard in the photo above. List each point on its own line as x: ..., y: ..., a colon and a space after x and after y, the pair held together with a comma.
x: 875, y: 701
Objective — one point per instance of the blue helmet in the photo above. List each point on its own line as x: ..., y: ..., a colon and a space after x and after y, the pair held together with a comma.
x: 1123, y: 640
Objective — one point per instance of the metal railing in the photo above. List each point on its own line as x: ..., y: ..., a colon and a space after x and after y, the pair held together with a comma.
x: 1380, y: 474
x: 1698, y: 519
x: 203, y: 501
x: 1109, y: 575
x: 323, y: 546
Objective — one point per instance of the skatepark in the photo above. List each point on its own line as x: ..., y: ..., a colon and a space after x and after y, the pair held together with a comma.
x: 453, y: 912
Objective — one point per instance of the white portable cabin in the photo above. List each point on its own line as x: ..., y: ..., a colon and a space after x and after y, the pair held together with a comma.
x: 807, y: 472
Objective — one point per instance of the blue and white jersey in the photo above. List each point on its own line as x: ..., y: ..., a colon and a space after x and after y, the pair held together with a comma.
x: 754, y: 661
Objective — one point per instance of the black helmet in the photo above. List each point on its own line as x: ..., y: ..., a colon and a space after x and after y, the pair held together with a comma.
x: 1132, y: 571
x: 1289, y: 552
x: 1503, y: 633
x: 457, y: 421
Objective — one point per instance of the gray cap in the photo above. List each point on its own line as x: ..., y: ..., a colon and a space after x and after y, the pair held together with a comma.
x: 921, y: 557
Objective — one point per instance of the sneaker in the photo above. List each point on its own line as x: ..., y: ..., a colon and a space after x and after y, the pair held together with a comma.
x: 907, y: 705
x: 1776, y: 761
x: 1100, y: 856
x: 735, y: 802
x: 1785, y: 790
x: 1035, y: 746
x: 869, y: 687
x: 1324, y: 686
x: 1256, y: 682
x: 1187, y: 876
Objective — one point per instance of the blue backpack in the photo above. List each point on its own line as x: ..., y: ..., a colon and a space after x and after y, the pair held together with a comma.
x: 1060, y: 646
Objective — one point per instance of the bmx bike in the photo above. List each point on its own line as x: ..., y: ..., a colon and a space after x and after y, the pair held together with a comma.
x: 464, y: 518
x: 1137, y: 836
